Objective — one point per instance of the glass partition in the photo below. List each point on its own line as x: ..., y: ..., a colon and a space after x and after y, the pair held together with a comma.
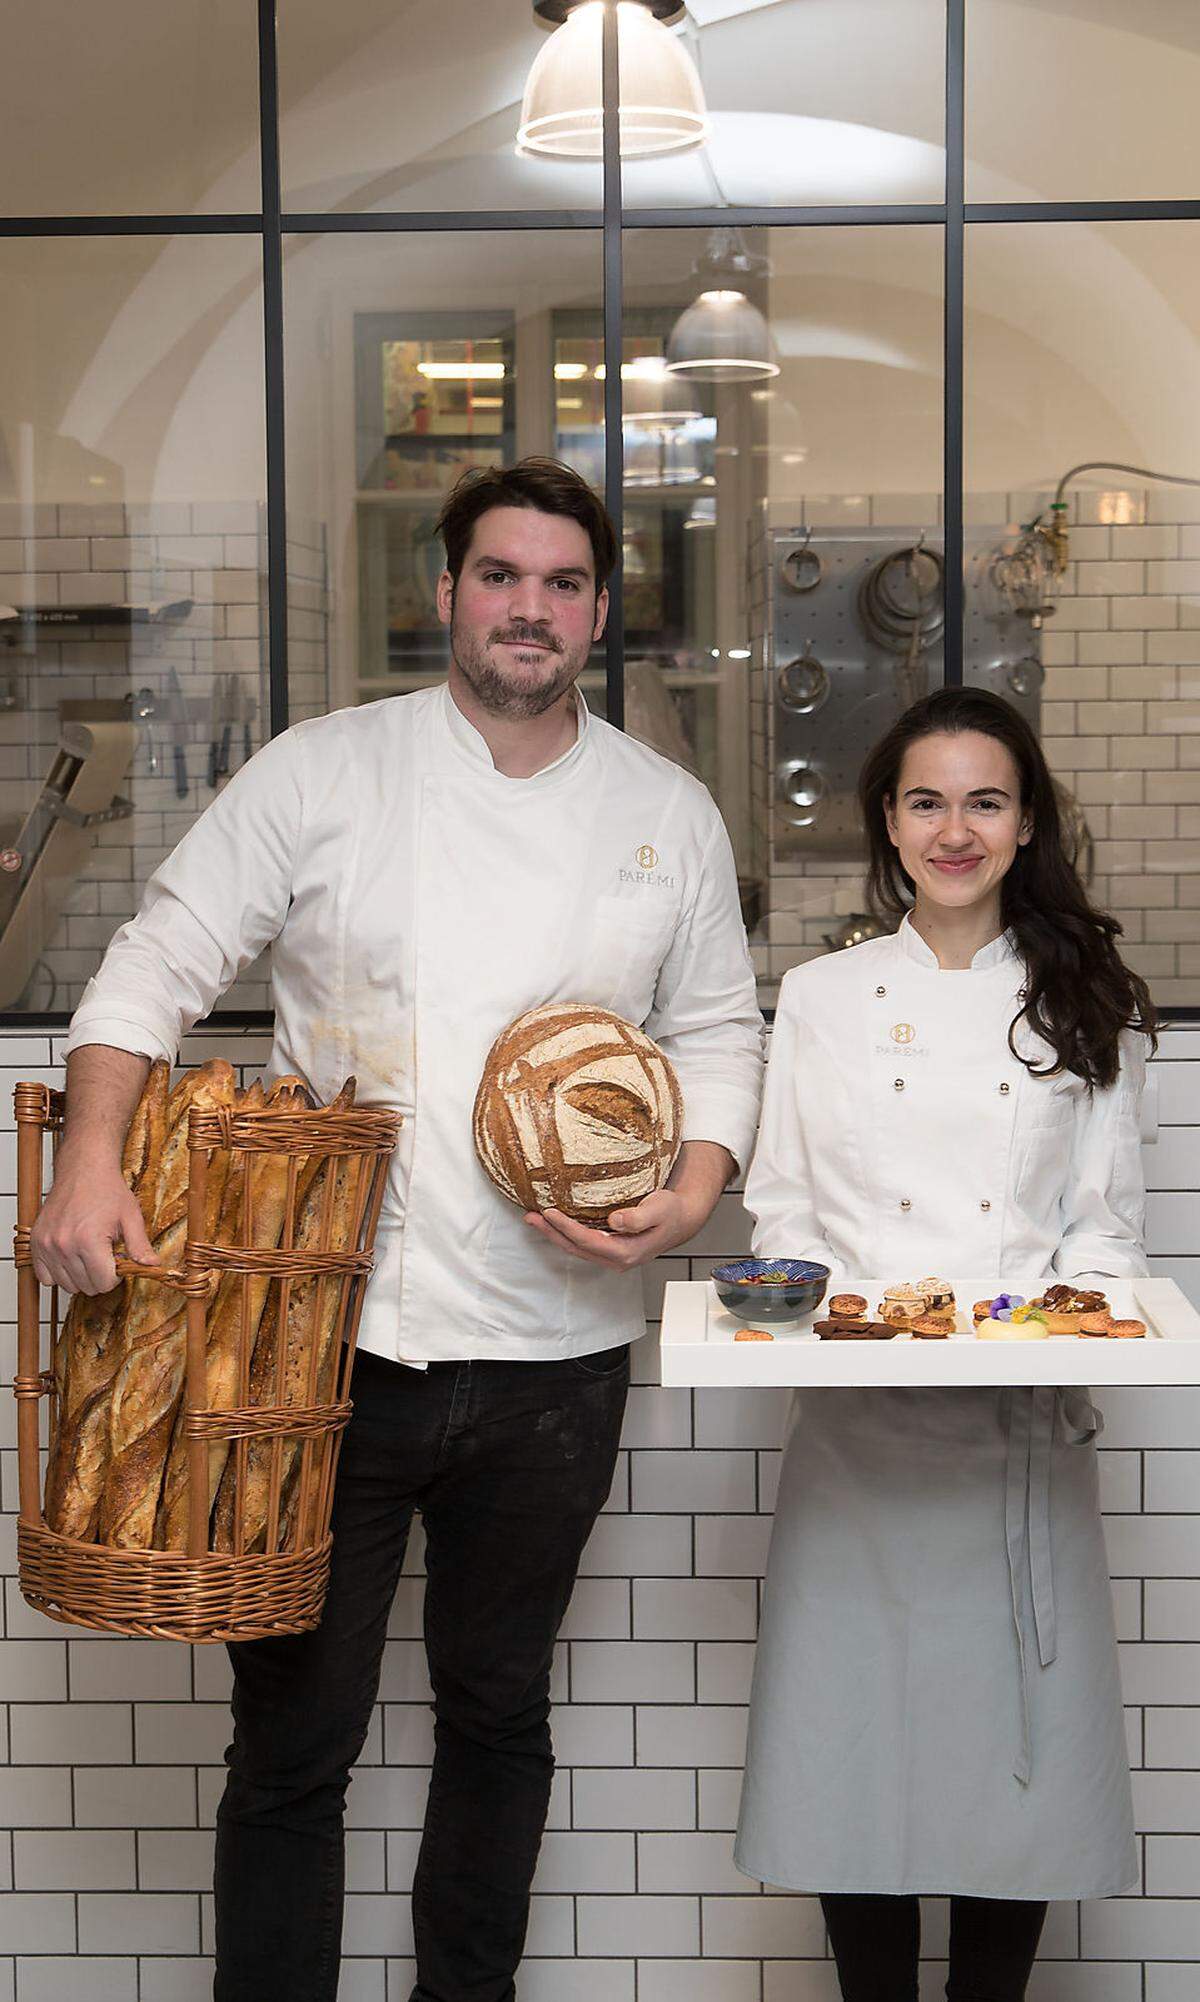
x: 123, y: 109
x: 793, y: 383
x: 132, y: 559
x: 810, y: 102
x: 1081, y: 100
x: 773, y: 498
x: 1083, y: 445
x: 409, y: 359
x: 418, y: 106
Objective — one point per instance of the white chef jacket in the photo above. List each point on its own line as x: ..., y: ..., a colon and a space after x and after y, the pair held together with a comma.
x: 937, y: 1701
x: 1041, y: 1178
x: 418, y: 901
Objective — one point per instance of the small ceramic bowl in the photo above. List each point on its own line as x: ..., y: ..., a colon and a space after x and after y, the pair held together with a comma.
x: 795, y: 1287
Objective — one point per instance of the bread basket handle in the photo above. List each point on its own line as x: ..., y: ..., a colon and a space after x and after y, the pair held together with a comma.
x: 202, y: 1283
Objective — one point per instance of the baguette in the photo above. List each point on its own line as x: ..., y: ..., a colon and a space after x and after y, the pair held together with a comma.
x: 89, y: 1346
x: 329, y: 1219
x: 232, y: 1324
x: 149, y: 1380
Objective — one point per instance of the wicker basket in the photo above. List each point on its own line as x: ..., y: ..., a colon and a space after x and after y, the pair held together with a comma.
x: 202, y: 1595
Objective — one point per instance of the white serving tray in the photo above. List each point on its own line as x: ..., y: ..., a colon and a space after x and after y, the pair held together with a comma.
x: 698, y: 1345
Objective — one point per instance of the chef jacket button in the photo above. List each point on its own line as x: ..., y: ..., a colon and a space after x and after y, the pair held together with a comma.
x: 881, y: 991
x: 899, y: 1084
x: 1004, y: 1091
x: 904, y: 1203
x: 985, y: 1205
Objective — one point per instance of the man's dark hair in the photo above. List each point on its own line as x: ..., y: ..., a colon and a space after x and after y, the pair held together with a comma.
x: 544, y: 484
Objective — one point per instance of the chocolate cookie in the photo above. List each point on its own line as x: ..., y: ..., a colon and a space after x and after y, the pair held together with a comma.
x: 854, y: 1331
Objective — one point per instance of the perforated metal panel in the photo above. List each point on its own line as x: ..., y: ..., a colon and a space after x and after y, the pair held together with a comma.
x: 832, y: 688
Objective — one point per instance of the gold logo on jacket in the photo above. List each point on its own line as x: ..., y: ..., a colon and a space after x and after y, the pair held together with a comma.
x: 903, y: 1032
x: 647, y: 857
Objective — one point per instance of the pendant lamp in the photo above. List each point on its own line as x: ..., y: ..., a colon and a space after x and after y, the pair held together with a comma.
x: 662, y: 108
x: 722, y: 336
x: 652, y: 399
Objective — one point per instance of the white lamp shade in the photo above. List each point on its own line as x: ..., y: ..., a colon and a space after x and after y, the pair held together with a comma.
x: 722, y: 337
x: 662, y: 108
x: 655, y: 400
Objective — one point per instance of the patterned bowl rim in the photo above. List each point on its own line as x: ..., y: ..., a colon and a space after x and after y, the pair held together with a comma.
x: 799, y: 1271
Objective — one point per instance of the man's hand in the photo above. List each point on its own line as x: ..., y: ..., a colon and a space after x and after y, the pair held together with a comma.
x: 634, y: 1236
x: 88, y: 1210
x: 655, y: 1225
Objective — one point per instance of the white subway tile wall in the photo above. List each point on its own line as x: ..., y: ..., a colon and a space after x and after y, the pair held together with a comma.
x: 111, y: 1751
x: 211, y: 554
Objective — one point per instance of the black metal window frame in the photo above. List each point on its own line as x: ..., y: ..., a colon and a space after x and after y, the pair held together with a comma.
x: 953, y: 215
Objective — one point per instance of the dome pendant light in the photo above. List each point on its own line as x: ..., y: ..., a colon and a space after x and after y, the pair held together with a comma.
x: 662, y: 108
x: 722, y: 336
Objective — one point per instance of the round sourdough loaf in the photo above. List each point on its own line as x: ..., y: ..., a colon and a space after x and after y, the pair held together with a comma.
x: 577, y: 1111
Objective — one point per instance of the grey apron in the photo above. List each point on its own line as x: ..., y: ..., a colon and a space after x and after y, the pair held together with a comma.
x: 936, y: 1703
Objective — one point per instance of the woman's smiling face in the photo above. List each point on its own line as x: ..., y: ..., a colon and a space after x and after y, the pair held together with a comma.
x: 957, y: 818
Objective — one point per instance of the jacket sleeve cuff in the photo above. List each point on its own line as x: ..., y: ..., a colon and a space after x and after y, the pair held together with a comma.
x: 727, y: 1118
x: 1094, y: 1258
x: 120, y: 1032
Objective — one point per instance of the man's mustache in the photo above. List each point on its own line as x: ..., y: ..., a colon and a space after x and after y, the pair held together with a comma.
x: 524, y: 636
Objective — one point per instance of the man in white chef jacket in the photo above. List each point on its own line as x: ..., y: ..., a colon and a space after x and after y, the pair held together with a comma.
x: 426, y: 868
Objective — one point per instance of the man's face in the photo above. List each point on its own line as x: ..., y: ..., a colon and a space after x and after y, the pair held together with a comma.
x: 524, y: 613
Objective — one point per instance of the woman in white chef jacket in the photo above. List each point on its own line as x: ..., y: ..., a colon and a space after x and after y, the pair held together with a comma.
x: 936, y: 1704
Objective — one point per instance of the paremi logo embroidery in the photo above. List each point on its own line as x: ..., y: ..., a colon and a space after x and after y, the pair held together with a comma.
x: 647, y: 870
x: 904, y: 1033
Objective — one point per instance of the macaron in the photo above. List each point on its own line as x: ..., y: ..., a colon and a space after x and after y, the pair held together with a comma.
x: 848, y: 1306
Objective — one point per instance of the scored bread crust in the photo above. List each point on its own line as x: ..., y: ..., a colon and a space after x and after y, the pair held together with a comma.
x: 149, y: 1380
x: 268, y: 1187
x: 328, y: 1218
x: 626, y: 1128
x: 119, y: 1464
x: 89, y: 1347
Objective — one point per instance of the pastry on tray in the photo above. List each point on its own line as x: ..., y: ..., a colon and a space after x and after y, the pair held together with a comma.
x: 1011, y: 1331
x: 939, y: 1293
x: 752, y: 1335
x: 902, y: 1305
x: 848, y: 1306
x: 836, y: 1329
x: 933, y: 1327
x: 1060, y: 1310
x: 1101, y: 1324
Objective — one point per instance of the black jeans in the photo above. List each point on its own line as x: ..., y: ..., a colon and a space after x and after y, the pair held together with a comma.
x: 509, y: 1463
x: 876, y: 1942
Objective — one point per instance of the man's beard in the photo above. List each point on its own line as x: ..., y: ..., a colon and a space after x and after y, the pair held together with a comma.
x: 498, y: 695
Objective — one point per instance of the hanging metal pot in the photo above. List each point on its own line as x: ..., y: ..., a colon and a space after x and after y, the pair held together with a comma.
x: 802, y: 569
x: 802, y: 685
x: 801, y: 791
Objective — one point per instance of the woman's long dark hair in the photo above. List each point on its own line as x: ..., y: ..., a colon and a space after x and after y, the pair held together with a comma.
x: 1079, y: 994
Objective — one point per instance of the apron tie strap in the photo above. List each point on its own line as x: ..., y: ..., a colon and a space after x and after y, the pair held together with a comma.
x: 1029, y: 1418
